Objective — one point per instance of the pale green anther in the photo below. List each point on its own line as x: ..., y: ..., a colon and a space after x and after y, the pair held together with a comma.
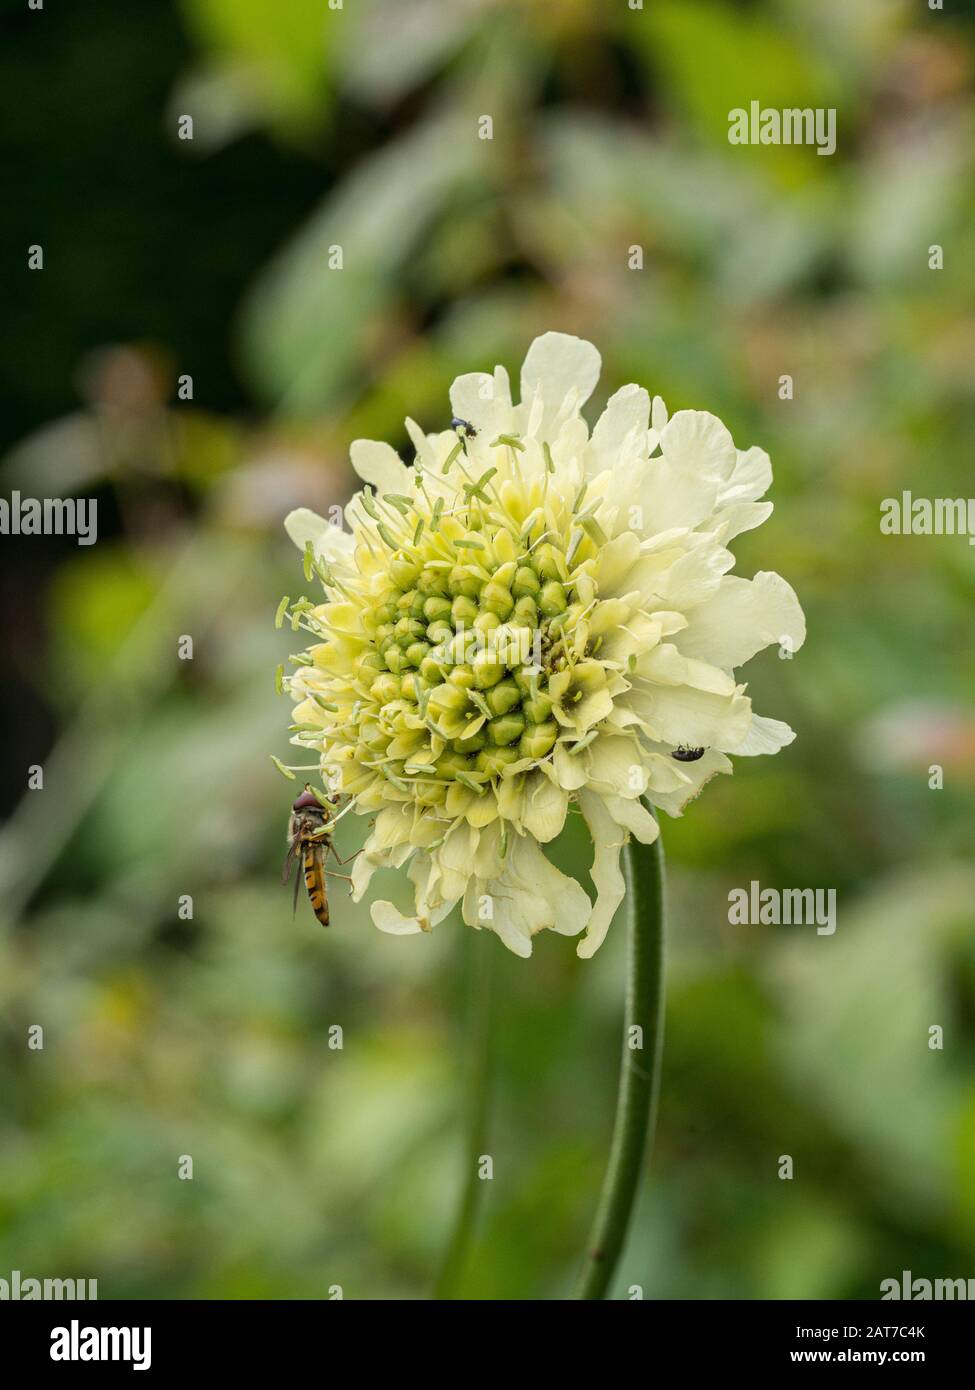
x: 505, y: 730
x: 486, y: 622
x: 538, y: 740
x: 402, y: 504
x: 538, y: 709
x: 504, y: 840
x: 511, y: 440
x: 593, y: 530
x: 468, y: 781
x: 309, y: 560
x: 452, y: 455
x: 387, y: 535
x: 281, y: 610
x: 435, y: 608
x: 279, y: 679
x: 494, y: 760
x: 547, y: 455
x: 285, y: 771
x: 304, y: 728
x: 464, y: 610
x: 436, y: 514
x: 447, y: 699
x: 403, y: 572
x: 476, y: 489
x: 385, y: 688
x: 468, y: 543
x: 323, y: 703
x: 526, y: 582
x: 417, y: 652
x: 579, y: 496
x: 368, y: 505
x: 497, y: 599
x: 552, y: 600
x: 576, y: 539
x: 487, y: 670
x: 418, y: 532
x: 584, y: 742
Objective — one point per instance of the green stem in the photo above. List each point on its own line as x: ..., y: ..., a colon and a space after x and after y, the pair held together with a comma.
x: 636, y: 1101
x: 482, y: 950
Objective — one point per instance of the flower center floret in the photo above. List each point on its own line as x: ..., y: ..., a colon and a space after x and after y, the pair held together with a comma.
x: 468, y: 651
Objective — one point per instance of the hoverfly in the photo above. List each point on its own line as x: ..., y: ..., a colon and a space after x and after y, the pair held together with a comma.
x: 687, y: 755
x: 310, y: 837
x: 464, y: 426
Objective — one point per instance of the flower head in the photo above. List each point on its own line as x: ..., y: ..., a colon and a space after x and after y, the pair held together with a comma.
x: 532, y: 618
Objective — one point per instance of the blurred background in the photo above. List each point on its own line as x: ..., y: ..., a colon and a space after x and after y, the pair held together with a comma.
x: 315, y: 128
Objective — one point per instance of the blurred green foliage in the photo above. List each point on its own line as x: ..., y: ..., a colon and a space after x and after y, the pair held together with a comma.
x: 210, y: 1037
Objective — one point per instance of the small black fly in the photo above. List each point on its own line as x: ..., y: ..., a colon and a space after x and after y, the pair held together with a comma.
x: 687, y: 755
x: 465, y: 426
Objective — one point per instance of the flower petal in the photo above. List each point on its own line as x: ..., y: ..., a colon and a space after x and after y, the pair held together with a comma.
x: 608, y: 840
x: 742, y: 617
x: 329, y: 541
x: 627, y: 414
x: 764, y: 736
x: 557, y: 363
x: 380, y: 465
x: 699, y: 442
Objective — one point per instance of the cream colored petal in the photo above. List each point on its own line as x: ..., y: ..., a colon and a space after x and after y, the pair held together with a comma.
x: 475, y: 398
x: 528, y: 896
x: 764, y: 736
x: 557, y: 363
x: 329, y: 541
x: 742, y: 617
x: 608, y: 840
x: 627, y: 415
x: 699, y: 442
x: 381, y: 466
x: 681, y: 715
x: 634, y: 817
x: 545, y: 808
x: 729, y: 522
x: 694, y: 776
x: 389, y: 919
x: 750, y: 478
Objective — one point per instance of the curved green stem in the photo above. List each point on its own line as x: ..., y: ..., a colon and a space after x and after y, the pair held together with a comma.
x: 636, y: 1102
x: 481, y: 956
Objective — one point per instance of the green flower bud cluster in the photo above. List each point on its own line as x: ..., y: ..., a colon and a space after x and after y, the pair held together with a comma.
x: 459, y: 645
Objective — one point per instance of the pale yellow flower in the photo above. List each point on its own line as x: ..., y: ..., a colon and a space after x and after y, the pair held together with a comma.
x: 533, y: 618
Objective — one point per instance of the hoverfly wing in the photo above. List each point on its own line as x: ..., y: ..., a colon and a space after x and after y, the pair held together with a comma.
x: 291, y: 858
